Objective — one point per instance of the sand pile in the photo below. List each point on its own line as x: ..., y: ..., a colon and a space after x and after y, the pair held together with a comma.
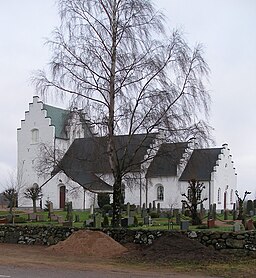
x: 89, y: 243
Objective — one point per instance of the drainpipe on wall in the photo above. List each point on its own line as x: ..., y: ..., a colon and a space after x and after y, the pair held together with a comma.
x: 84, y: 201
x: 210, y: 194
x: 140, y: 191
x: 146, y: 193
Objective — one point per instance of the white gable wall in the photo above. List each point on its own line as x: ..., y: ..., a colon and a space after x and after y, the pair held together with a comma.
x: 224, y: 181
x: 35, y: 119
x: 28, y: 150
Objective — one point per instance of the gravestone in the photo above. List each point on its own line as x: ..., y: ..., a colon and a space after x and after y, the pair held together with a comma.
x: 97, y: 221
x: 143, y: 213
x: 214, y: 211
x: 69, y: 216
x: 127, y: 221
x: 77, y: 218
x: 89, y: 223
x: 91, y: 209
x: 60, y: 219
x: 124, y: 222
x: 149, y: 207
x: 249, y: 225
x: 158, y: 208
x: 147, y: 220
x: 138, y: 210
x: 39, y: 217
x: 211, y: 223
x: 184, y: 225
x: 154, y: 205
x: 210, y: 216
x: 32, y: 217
x: 54, y: 217
x: 236, y: 227
x: 50, y: 209
x: 178, y: 219
x: 234, y: 214
x: 249, y: 206
x: 128, y: 209
x: 225, y: 214
x: 183, y: 208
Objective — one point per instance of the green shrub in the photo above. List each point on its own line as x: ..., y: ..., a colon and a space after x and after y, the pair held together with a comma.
x: 105, y: 222
x: 154, y: 214
x: 103, y: 199
x: 19, y: 219
x: 202, y: 227
x: 106, y: 208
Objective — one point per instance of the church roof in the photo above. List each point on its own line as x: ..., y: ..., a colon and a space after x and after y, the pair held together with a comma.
x: 166, y: 160
x: 200, y: 165
x: 88, y: 156
x: 59, y: 119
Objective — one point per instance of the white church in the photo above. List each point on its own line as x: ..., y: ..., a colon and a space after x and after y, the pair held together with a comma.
x: 84, y: 171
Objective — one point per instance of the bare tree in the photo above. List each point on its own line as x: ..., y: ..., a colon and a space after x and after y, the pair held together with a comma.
x: 115, y: 58
x: 194, y: 199
x: 34, y: 193
x: 11, y: 195
x: 48, y: 157
x: 241, y: 204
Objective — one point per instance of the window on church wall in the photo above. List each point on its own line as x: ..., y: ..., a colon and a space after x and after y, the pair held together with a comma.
x: 34, y: 136
x: 190, y: 194
x: 219, y: 196
x: 160, y: 193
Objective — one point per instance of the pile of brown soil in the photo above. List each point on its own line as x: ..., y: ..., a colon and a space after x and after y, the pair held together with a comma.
x: 89, y: 243
x: 174, y: 247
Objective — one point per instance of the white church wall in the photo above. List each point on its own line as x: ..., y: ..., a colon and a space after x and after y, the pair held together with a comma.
x: 224, y: 180
x: 34, y: 130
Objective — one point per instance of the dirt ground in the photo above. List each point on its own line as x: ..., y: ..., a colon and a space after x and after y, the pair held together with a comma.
x: 88, y: 250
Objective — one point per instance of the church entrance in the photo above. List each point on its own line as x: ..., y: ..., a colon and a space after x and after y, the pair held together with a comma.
x: 62, y: 196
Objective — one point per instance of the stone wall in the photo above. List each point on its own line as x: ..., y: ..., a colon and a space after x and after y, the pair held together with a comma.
x: 229, y: 242
x: 40, y: 235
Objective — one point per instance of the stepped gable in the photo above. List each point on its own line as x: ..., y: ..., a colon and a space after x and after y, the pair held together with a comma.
x: 201, y: 164
x: 166, y: 160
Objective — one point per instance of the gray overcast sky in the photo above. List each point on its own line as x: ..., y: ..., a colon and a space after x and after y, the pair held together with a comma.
x: 225, y: 28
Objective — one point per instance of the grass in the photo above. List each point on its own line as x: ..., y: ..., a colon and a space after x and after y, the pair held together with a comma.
x: 158, y: 223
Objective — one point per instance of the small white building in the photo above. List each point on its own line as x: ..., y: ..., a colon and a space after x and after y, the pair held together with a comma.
x: 84, y: 170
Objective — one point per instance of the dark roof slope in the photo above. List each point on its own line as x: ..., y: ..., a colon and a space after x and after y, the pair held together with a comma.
x: 87, y: 156
x: 59, y: 119
x: 166, y: 160
x: 200, y: 165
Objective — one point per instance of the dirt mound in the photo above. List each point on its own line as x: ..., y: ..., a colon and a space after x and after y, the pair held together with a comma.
x: 174, y: 247
x: 89, y: 243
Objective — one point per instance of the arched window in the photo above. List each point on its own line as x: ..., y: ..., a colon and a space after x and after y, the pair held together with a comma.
x: 34, y: 136
x: 160, y: 193
x: 219, y: 196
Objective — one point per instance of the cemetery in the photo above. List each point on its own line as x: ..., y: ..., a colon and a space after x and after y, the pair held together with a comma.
x: 139, y: 225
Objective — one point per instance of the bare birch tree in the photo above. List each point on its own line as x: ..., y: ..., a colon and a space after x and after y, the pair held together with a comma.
x: 116, y: 58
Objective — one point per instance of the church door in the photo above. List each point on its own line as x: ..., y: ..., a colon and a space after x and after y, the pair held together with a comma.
x: 62, y: 196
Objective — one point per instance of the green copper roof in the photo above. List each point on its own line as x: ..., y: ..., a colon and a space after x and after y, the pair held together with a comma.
x: 59, y: 118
